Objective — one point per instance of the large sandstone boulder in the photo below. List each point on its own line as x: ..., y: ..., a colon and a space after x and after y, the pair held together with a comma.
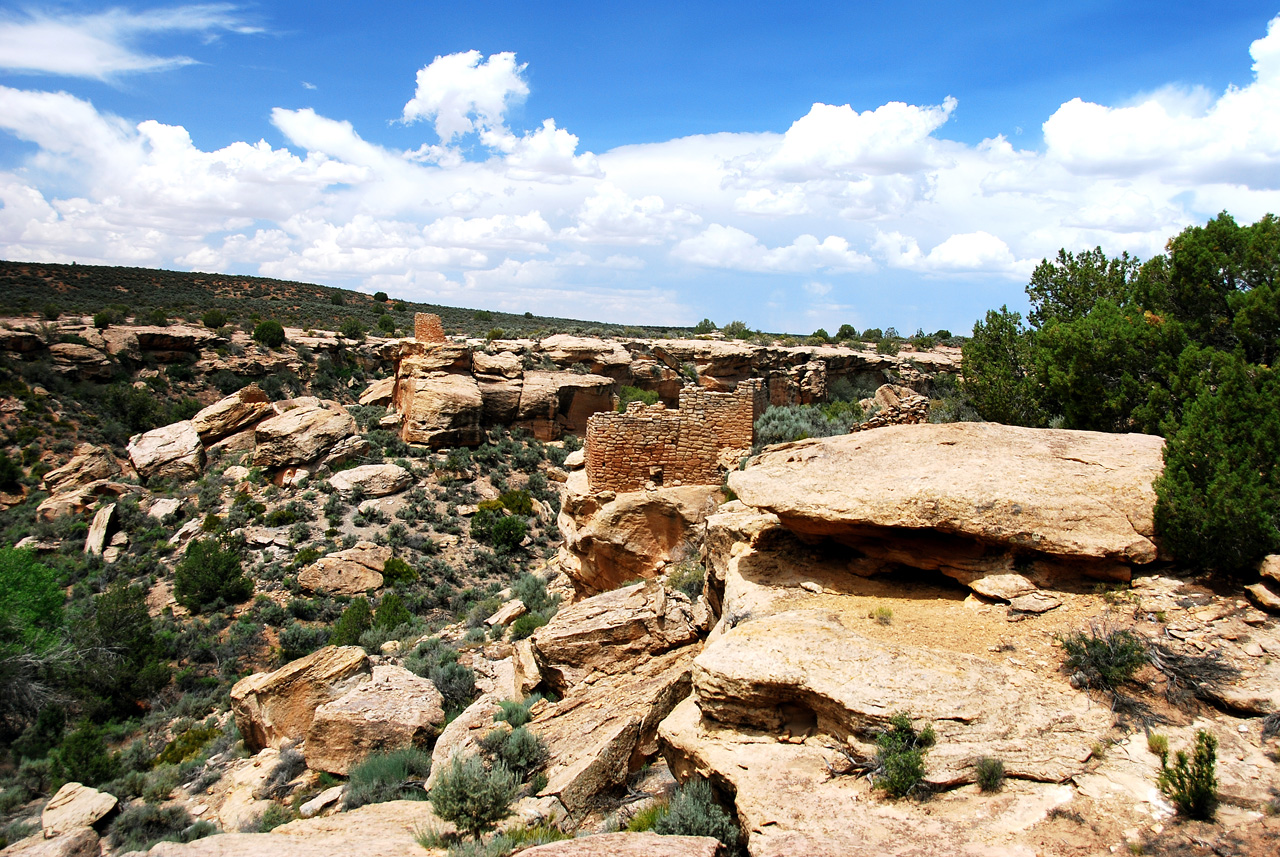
x: 1053, y: 502
x: 173, y: 338
x: 600, y: 356
x: 376, y: 480
x: 612, y: 633
x: 554, y: 402
x: 236, y: 412
x: 88, y: 464
x: 83, y: 498
x: 275, y: 707
x: 75, y: 806
x: 392, y: 710
x: 169, y: 452
x: 301, y: 434
x: 440, y: 409
x: 611, y: 539
x: 81, y: 842
x: 104, y: 522
x: 347, y: 572
x: 379, y: 392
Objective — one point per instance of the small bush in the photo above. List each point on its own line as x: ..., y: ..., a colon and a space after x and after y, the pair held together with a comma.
x: 646, y: 818
x: 397, y: 571
x: 473, y: 798
x: 900, y: 756
x: 397, y: 775
x: 269, y: 333
x: 990, y: 774
x: 693, y: 811
x: 1158, y: 744
x: 186, y: 746
x: 352, y: 328
x: 882, y: 615
x: 83, y: 758
x: 214, y: 319
x: 355, y: 620
x: 516, y: 713
x: 526, y: 624
x: 627, y: 395
x: 1192, y: 783
x: 210, y: 575
x: 1107, y: 659
x: 688, y: 577
x: 138, y: 828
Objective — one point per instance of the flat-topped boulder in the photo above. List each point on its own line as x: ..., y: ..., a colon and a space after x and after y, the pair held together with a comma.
x: 88, y: 463
x: 375, y: 480
x: 961, y: 488
x: 75, y: 806
x: 347, y: 572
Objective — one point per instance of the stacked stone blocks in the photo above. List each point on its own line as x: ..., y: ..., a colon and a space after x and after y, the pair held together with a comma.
x: 654, y: 445
x: 427, y: 327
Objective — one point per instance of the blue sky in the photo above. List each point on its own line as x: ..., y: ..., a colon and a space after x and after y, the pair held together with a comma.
x: 879, y: 164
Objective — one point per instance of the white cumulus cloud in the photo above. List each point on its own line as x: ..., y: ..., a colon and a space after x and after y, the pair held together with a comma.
x: 720, y: 246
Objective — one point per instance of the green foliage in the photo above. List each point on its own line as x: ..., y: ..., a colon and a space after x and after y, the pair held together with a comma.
x: 352, y: 328
x: 395, y: 775
x: 1107, y: 659
x: 646, y: 818
x: 396, y: 571
x: 704, y: 326
x: 846, y: 332
x: 473, y: 798
x: 781, y: 424
x: 210, y: 576
x: 821, y: 335
x: 688, y: 577
x: 187, y: 745
x: 270, y: 333
x: 391, y: 612
x: 355, y: 620
x: 629, y: 394
x: 519, y: 749
x: 736, y: 330
x: 693, y: 811
x: 1192, y: 783
x: 997, y: 367
x: 386, y: 323
x: 900, y: 752
x: 380, y: 297
x: 124, y: 663
x: 11, y: 472
x: 1068, y: 288
x: 30, y: 603
x: 83, y: 757
x: 990, y: 774
x: 214, y: 319
x: 137, y: 828
x: 298, y: 640
x: 1218, y: 499
x: 518, y: 502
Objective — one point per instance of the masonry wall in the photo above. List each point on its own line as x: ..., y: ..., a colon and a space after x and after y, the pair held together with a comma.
x: 427, y: 327
x: 653, y: 444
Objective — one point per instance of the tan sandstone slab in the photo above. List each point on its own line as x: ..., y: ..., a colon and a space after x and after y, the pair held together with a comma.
x: 75, y: 806
x: 393, y: 710
x: 1068, y: 493
x: 629, y: 845
x: 301, y: 434
x: 232, y: 414
x: 169, y: 452
x: 375, y: 480
x: 347, y: 572
x: 275, y: 707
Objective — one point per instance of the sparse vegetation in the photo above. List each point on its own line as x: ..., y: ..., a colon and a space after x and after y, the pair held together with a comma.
x: 900, y: 752
x: 990, y: 772
x: 473, y: 797
x: 1105, y: 659
x: 1191, y: 781
x: 693, y: 811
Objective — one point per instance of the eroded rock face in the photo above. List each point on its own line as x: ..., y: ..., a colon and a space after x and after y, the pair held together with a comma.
x: 440, y: 410
x: 375, y: 480
x: 379, y: 392
x: 232, y: 414
x: 347, y: 572
x: 169, y: 452
x: 603, y: 730
x: 759, y: 675
x: 612, y: 539
x: 612, y: 633
x: 83, y: 842
x: 79, y: 361
x: 88, y: 464
x: 969, y: 497
x: 301, y: 434
x: 103, y: 523
x: 394, y: 709
x: 275, y: 707
x: 554, y: 402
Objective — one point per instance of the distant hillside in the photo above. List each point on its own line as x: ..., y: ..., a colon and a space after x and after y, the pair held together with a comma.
x: 31, y: 286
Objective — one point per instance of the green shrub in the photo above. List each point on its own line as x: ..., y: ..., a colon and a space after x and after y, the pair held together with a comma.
x: 900, y: 752
x: 473, y: 798
x: 507, y: 532
x: 386, y: 323
x: 693, y: 811
x: 138, y: 828
x: 628, y: 394
x: 395, y: 775
x: 990, y: 774
x: 380, y: 297
x: 688, y: 577
x: 270, y: 333
x: 1107, y: 659
x: 782, y: 424
x: 518, y: 502
x: 354, y: 621
x: 646, y: 818
x: 210, y: 575
x: 352, y: 328
x: 704, y: 326
x: 214, y: 319
x: 83, y: 758
x: 522, y: 751
x: 269, y: 819
x: 298, y: 640
x: 391, y: 612
x: 526, y: 624
x: 1192, y: 783
x: 186, y: 746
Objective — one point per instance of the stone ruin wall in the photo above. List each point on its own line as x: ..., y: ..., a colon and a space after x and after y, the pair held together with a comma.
x: 427, y: 327
x: 652, y: 444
